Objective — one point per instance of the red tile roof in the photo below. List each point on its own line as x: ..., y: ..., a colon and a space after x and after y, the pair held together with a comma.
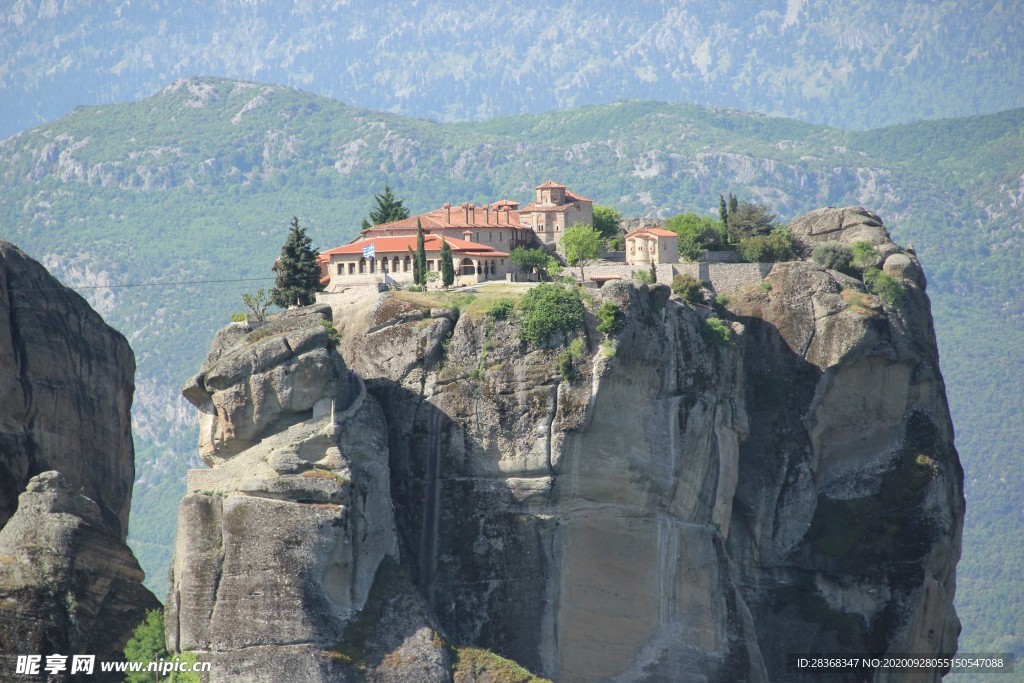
x: 402, y: 244
x: 550, y: 185
x: 658, y: 232
x: 575, y: 197
x: 464, y: 216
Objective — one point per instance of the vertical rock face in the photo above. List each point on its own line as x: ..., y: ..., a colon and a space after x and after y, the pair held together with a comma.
x: 282, y: 543
x: 675, y: 507
x: 68, y: 582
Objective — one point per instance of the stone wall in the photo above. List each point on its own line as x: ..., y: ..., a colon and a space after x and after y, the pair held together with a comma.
x: 724, y: 277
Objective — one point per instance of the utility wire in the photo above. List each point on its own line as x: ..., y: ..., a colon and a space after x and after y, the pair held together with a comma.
x: 144, y: 284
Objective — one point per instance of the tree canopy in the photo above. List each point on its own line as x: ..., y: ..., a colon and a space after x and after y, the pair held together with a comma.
x: 606, y: 221
x: 749, y: 220
x: 581, y: 244
x: 388, y: 208
x: 694, y: 232
x: 298, y: 271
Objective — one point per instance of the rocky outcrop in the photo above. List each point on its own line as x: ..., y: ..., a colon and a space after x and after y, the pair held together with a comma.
x: 281, y: 543
x: 68, y: 582
x: 671, y: 504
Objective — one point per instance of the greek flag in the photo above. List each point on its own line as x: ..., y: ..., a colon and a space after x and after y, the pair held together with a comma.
x: 369, y: 252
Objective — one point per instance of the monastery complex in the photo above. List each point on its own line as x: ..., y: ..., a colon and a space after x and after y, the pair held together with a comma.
x: 481, y: 239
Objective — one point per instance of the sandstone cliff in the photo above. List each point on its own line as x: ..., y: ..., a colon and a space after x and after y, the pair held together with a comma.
x: 68, y: 582
x: 675, y: 508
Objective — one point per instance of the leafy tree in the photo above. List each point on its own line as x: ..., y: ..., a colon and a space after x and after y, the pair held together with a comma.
x: 606, y: 221
x: 388, y: 208
x: 749, y: 219
x: 694, y: 232
x: 257, y: 304
x: 298, y: 271
x: 547, y: 309
x: 716, y: 332
x: 776, y: 246
x: 581, y: 244
x: 447, y: 266
x: 538, y: 258
x: 834, y: 255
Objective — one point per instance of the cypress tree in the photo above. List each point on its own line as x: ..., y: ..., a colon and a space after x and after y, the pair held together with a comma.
x: 733, y: 204
x: 298, y: 271
x: 421, y: 256
x: 723, y: 212
x: 447, y: 265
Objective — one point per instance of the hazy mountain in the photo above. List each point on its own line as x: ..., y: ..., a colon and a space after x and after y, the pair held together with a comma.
x: 858, y: 63
x: 193, y: 189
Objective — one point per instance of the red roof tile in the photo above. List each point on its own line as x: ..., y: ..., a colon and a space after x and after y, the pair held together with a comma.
x: 550, y: 185
x: 402, y: 244
x: 658, y: 232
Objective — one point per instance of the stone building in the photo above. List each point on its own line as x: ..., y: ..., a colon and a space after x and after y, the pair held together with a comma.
x: 378, y: 259
x: 652, y: 245
x: 554, y: 209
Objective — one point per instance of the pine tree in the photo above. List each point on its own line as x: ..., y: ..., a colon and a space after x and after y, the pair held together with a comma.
x: 298, y: 271
x: 421, y: 256
x: 447, y: 265
x: 388, y: 208
x: 723, y: 211
x: 734, y: 204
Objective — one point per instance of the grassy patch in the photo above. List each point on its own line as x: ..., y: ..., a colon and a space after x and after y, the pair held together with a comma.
x: 475, y: 664
x: 859, y: 303
x: 476, y: 304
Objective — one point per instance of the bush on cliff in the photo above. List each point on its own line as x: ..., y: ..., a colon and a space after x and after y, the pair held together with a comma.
x: 548, y: 309
x: 833, y: 255
x: 147, y: 644
x: 775, y: 246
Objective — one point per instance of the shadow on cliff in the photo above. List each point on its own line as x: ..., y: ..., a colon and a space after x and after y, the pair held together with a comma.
x: 473, y: 552
x: 879, y: 536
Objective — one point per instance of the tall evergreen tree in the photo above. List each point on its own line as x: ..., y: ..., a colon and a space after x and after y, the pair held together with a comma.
x: 388, y: 208
x: 734, y: 204
x: 298, y: 272
x: 723, y: 211
x: 421, y: 256
x: 447, y: 265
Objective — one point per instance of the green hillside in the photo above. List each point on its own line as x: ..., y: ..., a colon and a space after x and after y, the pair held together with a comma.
x: 190, y: 192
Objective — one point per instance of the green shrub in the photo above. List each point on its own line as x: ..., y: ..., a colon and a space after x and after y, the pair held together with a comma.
x: 775, y: 246
x: 643, y: 276
x: 147, y: 645
x: 766, y: 286
x: 547, y: 309
x: 884, y: 286
x: 609, y: 318
x: 332, y: 333
x: 499, y: 309
x: 617, y: 243
x: 833, y: 255
x: 723, y: 300
x: 716, y: 333
x: 238, y: 318
x: 864, y: 255
x: 567, y: 358
x: 688, y: 287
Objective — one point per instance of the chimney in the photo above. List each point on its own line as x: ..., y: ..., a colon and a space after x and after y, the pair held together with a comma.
x: 465, y: 212
x: 487, y: 215
x: 468, y: 235
x: 447, y: 213
x: 472, y: 213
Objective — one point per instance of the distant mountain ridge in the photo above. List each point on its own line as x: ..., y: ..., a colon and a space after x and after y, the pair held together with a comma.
x: 856, y: 64
x: 197, y: 184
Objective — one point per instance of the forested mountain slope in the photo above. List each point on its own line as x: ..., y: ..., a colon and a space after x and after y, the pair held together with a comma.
x: 858, y: 63
x: 190, y: 192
